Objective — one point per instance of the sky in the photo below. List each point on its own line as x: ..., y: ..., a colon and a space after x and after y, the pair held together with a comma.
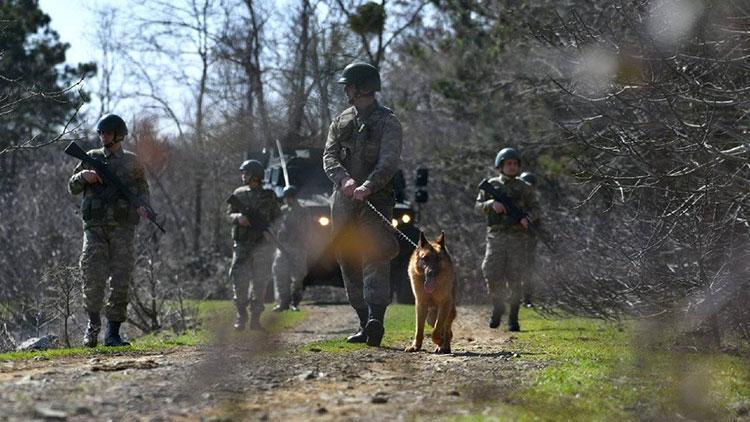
x: 75, y: 22
x: 72, y: 19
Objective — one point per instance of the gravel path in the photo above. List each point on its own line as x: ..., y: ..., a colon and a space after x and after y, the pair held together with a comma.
x: 259, y: 378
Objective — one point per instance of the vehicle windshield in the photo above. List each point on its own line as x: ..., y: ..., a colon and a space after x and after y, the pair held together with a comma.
x: 306, y: 173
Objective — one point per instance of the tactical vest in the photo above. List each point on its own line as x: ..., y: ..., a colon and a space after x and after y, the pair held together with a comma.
x: 360, y: 143
x: 514, y: 189
x: 102, y: 203
x: 264, y: 201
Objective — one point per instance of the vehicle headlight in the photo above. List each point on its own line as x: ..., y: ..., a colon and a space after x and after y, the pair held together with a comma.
x: 394, y: 222
x: 324, y: 221
x: 406, y: 218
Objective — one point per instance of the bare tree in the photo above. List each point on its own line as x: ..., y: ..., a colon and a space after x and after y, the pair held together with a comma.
x: 369, y: 22
x: 106, y: 37
x: 242, y: 43
x: 184, y: 30
x: 63, y: 295
x: 298, y: 72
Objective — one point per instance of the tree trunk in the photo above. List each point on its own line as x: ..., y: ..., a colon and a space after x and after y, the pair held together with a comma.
x: 299, y: 74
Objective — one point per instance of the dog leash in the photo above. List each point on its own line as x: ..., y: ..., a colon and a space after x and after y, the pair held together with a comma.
x: 388, y: 223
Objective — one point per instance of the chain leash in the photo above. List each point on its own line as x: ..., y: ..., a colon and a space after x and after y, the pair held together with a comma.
x: 388, y: 223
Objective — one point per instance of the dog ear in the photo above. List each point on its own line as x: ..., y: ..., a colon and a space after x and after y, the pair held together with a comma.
x: 422, y: 240
x: 441, y: 240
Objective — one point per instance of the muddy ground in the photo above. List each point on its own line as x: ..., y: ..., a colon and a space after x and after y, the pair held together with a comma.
x: 269, y: 378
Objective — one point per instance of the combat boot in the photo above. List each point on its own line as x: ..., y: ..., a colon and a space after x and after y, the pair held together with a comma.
x: 113, y: 338
x: 374, y: 328
x: 255, y: 322
x: 497, y: 315
x: 359, y: 336
x: 239, y: 323
x: 513, y: 324
x: 296, y: 299
x: 281, y: 307
x: 94, y: 326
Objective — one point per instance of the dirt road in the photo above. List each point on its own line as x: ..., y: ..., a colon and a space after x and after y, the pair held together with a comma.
x: 233, y: 380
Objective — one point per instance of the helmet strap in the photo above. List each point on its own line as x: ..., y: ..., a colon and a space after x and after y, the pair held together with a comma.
x: 360, y: 94
x: 252, y: 180
x: 115, y: 140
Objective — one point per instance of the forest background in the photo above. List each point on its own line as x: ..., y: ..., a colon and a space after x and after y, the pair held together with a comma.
x: 632, y: 114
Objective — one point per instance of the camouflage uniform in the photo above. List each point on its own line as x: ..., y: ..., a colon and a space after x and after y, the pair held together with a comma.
x: 290, y: 264
x: 253, y: 254
x: 506, y: 259
x: 109, y: 230
x: 366, y: 146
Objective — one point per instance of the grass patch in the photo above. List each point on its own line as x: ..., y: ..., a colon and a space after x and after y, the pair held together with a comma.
x: 213, y: 316
x: 598, y: 371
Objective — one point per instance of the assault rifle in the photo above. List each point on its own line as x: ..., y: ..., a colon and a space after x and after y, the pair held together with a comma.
x: 515, y: 214
x: 257, y: 221
x: 102, y: 169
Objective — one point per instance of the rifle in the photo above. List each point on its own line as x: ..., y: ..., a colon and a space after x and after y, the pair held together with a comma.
x: 515, y: 214
x: 102, y: 169
x: 257, y: 221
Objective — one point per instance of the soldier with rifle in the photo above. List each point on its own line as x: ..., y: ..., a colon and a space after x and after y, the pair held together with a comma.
x: 250, y: 210
x: 510, y: 208
x: 115, y: 197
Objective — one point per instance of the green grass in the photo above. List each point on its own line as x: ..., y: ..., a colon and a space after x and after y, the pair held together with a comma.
x: 594, y: 370
x: 597, y: 371
x: 215, y: 317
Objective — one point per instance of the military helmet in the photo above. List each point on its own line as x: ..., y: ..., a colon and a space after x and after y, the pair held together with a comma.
x: 528, y: 177
x: 253, y: 168
x: 506, y: 154
x: 290, y: 190
x: 364, y: 76
x: 112, y: 123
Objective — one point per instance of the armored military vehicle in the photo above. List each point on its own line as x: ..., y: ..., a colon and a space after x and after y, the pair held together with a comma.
x: 305, y: 171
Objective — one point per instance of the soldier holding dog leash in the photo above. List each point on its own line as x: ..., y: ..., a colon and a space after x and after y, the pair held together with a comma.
x: 362, y: 154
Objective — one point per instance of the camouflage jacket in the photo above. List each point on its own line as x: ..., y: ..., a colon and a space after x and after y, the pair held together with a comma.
x: 102, y: 204
x: 294, y: 226
x: 262, y: 200
x: 366, y: 146
x: 521, y: 193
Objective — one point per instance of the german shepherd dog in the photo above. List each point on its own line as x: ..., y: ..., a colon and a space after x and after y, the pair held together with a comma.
x: 433, y: 281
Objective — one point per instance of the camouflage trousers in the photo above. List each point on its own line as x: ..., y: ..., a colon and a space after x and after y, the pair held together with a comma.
x: 505, y: 265
x: 250, y: 272
x: 107, y: 255
x: 365, y: 246
x: 289, y: 270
